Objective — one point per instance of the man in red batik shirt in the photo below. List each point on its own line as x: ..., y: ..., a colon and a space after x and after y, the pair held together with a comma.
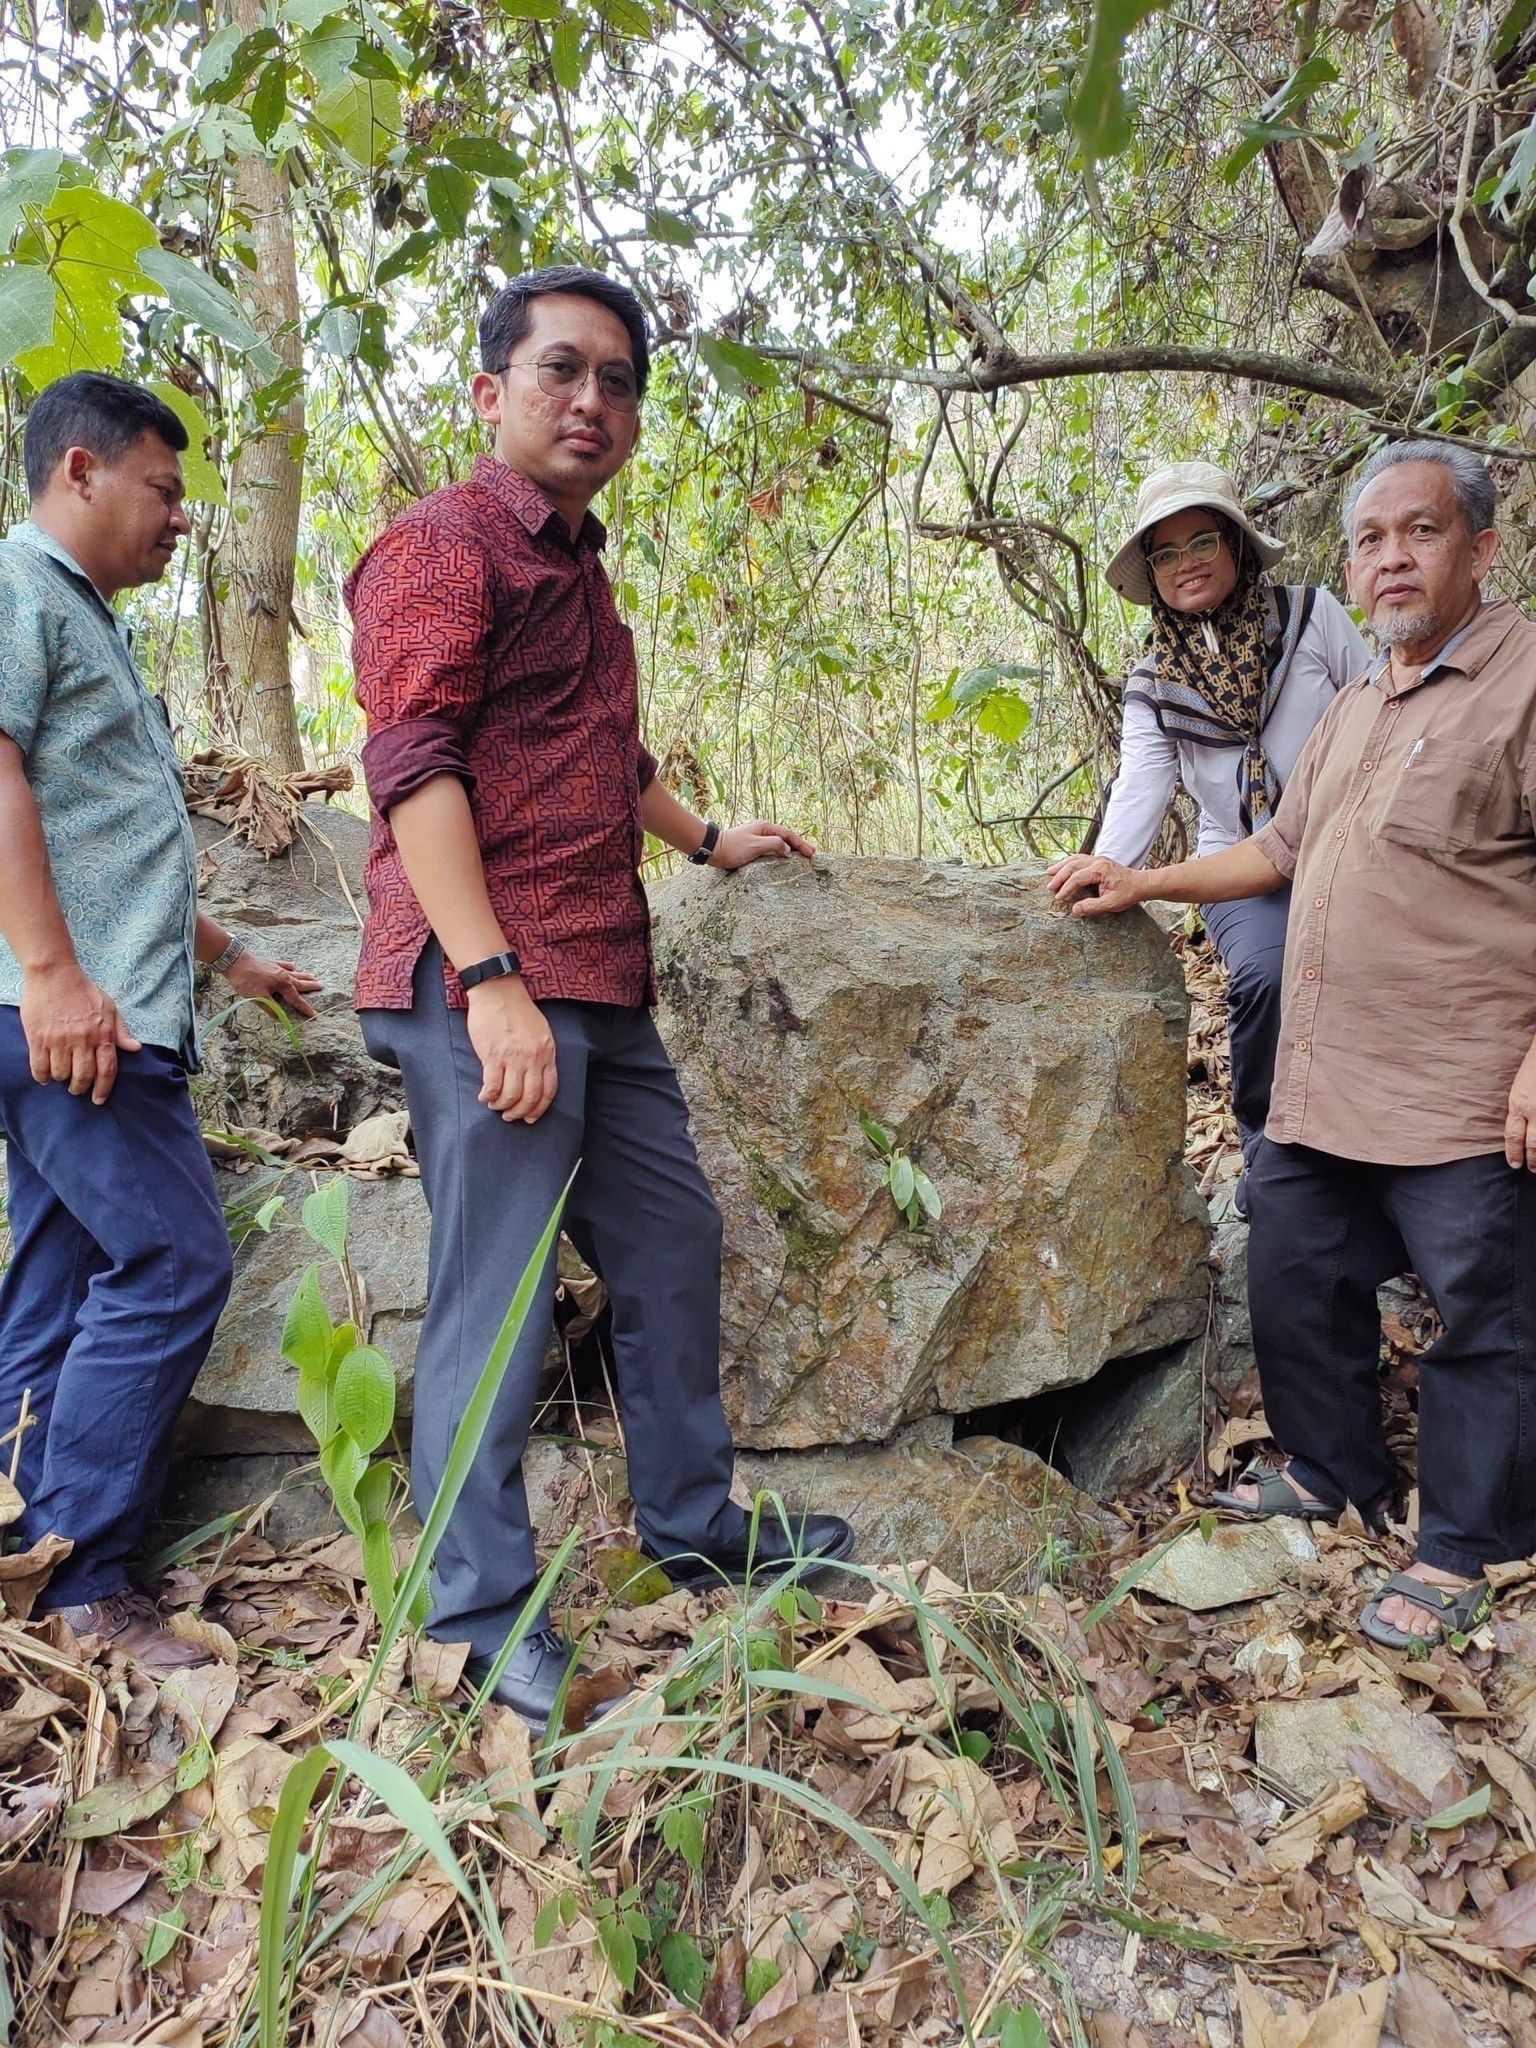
x: 506, y: 967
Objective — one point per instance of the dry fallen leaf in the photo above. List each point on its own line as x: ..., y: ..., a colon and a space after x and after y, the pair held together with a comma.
x: 1423, y: 2016
x: 797, y: 1931
x: 955, y: 1812
x: 1354, y: 2019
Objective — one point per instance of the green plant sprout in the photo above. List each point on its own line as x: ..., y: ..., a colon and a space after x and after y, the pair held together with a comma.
x: 911, y: 1190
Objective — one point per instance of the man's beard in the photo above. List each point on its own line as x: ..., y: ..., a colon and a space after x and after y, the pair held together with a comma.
x: 1405, y: 629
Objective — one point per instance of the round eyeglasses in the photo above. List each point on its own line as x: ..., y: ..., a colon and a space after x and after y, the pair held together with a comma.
x: 1204, y: 547
x: 563, y: 374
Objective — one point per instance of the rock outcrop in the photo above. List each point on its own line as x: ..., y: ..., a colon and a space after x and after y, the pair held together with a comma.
x: 1032, y: 1065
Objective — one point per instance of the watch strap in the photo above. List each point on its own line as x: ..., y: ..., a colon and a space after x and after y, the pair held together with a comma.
x: 700, y: 857
x: 235, y: 950
x: 495, y: 969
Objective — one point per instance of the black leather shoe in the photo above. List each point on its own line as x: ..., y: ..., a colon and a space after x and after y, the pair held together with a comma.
x: 534, y: 1675
x: 817, y: 1540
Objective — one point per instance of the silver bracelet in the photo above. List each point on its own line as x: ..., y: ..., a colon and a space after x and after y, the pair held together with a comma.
x: 235, y: 950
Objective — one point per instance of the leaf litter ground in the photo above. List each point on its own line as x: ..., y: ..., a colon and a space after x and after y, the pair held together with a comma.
x: 1095, y: 1811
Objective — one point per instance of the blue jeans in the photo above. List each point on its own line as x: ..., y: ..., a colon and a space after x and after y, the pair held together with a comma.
x: 120, y: 1267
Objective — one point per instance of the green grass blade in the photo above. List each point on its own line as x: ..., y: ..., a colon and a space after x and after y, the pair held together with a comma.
x: 408, y: 1803
x: 272, y: 1992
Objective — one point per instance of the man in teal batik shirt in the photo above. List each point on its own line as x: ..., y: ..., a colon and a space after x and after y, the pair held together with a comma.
x: 120, y: 1261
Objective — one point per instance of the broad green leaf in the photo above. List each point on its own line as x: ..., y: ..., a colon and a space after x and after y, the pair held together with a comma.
x: 308, y: 14
x: 213, y: 67
x: 1517, y: 20
x: 1022, y: 2027
x: 378, y: 1564
x: 903, y: 1180
x: 410, y: 256
x: 628, y: 17
x: 339, y: 332
x: 670, y: 228
x: 307, y: 1328
x: 269, y: 102
x: 269, y: 1211
x: 118, y: 1805
x: 324, y: 1215
x: 980, y: 682
x: 28, y: 307
x: 31, y: 178
x: 365, y: 1396
x: 365, y: 116
x: 316, y: 1398
x: 1004, y: 716
x: 1473, y: 1807
x: 330, y: 54
x: 618, y: 1945
x: 163, y: 1935
x: 203, y: 483
x: 450, y: 196
x: 683, y: 1966
x: 244, y: 62
x: 484, y: 157
x: 374, y: 1491
x: 567, y: 60
x: 1276, y: 117
x: 530, y: 10
x: 682, y: 1829
x: 876, y: 1134
x: 1098, y: 116
x: 342, y: 1464
x: 927, y: 1193
x: 735, y: 366
x: 209, y: 305
x: 761, y: 1976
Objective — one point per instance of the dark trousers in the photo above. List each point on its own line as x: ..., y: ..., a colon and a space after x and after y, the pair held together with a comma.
x: 1250, y: 937
x: 1325, y: 1231
x: 120, y: 1267
x: 642, y: 1216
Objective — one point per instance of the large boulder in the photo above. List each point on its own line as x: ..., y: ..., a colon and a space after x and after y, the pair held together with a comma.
x: 1033, y: 1066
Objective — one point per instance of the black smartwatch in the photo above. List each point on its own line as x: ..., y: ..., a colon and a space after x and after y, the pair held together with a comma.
x: 700, y: 856
x: 494, y: 969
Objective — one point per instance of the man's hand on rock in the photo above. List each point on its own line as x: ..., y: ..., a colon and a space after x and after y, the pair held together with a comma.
x: 760, y: 839
x: 1520, y: 1123
x: 273, y: 981
x: 1118, y: 888
x: 515, y: 1048
x: 73, y: 1029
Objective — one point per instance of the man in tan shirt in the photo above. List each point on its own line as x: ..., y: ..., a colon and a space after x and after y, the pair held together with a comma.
x: 1402, y: 1130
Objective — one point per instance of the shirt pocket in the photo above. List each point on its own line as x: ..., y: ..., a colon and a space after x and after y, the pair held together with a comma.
x: 1437, y: 803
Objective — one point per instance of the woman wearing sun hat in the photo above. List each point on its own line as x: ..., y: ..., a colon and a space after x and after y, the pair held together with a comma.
x: 1235, y: 675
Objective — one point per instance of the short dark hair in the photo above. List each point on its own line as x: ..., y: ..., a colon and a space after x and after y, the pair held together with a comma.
x: 509, y: 316
x: 92, y: 410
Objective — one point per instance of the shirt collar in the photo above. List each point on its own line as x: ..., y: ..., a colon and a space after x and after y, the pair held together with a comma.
x: 30, y: 535
x: 531, y: 507
x: 1466, y: 652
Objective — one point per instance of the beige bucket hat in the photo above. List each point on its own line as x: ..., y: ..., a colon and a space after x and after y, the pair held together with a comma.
x: 1176, y: 489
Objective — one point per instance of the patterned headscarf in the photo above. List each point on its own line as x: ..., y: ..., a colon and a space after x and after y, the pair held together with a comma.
x: 1213, y: 677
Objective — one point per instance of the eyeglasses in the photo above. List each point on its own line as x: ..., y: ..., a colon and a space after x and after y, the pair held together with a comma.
x: 565, y: 374
x: 1204, y: 547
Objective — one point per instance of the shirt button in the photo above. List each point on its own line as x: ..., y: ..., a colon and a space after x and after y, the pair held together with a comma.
x: 1311, y: 974
x: 1340, y: 833
x: 1317, y: 902
x: 1302, y: 1045
x: 1366, y: 767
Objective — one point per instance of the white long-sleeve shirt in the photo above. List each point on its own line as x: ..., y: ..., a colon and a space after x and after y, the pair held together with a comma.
x: 1329, y: 653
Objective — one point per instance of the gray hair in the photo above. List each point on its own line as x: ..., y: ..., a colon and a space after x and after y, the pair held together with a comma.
x: 1476, y: 493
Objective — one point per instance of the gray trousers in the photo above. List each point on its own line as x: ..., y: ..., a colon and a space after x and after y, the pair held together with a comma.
x: 641, y: 1215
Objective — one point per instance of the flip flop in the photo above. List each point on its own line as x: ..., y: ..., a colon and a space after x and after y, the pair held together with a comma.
x: 1458, y: 1609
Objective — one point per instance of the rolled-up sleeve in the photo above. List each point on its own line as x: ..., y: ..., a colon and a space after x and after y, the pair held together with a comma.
x: 422, y: 608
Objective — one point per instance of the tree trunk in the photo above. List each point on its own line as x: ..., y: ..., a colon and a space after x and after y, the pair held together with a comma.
x: 262, y: 535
